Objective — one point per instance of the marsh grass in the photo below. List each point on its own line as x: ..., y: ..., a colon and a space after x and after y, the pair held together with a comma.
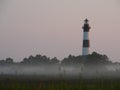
x: 81, y: 84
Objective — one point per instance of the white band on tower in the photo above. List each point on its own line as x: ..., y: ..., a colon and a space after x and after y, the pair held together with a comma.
x: 85, y: 51
x: 86, y: 36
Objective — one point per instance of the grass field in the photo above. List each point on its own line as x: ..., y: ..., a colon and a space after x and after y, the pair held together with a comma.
x: 21, y: 83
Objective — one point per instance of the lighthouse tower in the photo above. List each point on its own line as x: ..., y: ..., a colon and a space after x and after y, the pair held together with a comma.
x: 86, y: 42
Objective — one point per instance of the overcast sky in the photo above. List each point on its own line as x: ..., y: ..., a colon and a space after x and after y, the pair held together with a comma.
x: 54, y: 27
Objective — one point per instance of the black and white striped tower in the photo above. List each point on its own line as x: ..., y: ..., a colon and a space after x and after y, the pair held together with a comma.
x: 86, y: 42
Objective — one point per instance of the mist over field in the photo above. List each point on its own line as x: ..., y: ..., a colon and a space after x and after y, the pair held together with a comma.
x: 66, y: 72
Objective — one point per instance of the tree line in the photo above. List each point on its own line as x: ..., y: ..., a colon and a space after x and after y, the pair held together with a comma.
x: 94, y: 58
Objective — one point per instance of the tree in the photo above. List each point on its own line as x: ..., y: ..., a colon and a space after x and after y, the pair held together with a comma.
x: 96, y: 58
x: 38, y: 59
x: 2, y: 62
x: 54, y: 60
x: 72, y: 60
x: 9, y: 61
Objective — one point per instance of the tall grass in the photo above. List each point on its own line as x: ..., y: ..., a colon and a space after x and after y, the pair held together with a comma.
x: 96, y: 84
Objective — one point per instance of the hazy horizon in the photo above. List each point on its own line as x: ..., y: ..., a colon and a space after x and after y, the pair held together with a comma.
x: 54, y: 27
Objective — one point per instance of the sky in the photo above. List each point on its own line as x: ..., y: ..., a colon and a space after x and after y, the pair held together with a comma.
x: 54, y: 27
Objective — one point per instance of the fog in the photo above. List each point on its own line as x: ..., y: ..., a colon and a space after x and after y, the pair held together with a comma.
x: 61, y: 71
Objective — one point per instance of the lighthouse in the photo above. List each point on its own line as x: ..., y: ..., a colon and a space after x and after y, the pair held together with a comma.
x: 86, y: 41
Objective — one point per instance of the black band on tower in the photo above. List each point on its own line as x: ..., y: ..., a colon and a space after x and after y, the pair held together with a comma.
x: 86, y: 43
x: 86, y: 27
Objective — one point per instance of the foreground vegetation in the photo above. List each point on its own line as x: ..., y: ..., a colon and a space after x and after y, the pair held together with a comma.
x: 36, y: 84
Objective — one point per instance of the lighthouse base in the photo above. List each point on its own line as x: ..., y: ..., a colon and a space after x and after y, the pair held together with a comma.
x: 85, y: 51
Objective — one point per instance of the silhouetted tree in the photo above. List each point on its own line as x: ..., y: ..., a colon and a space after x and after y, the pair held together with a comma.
x: 54, y: 60
x: 2, y: 62
x: 71, y: 60
x: 38, y: 59
x: 9, y: 61
x: 93, y: 58
x: 96, y: 58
